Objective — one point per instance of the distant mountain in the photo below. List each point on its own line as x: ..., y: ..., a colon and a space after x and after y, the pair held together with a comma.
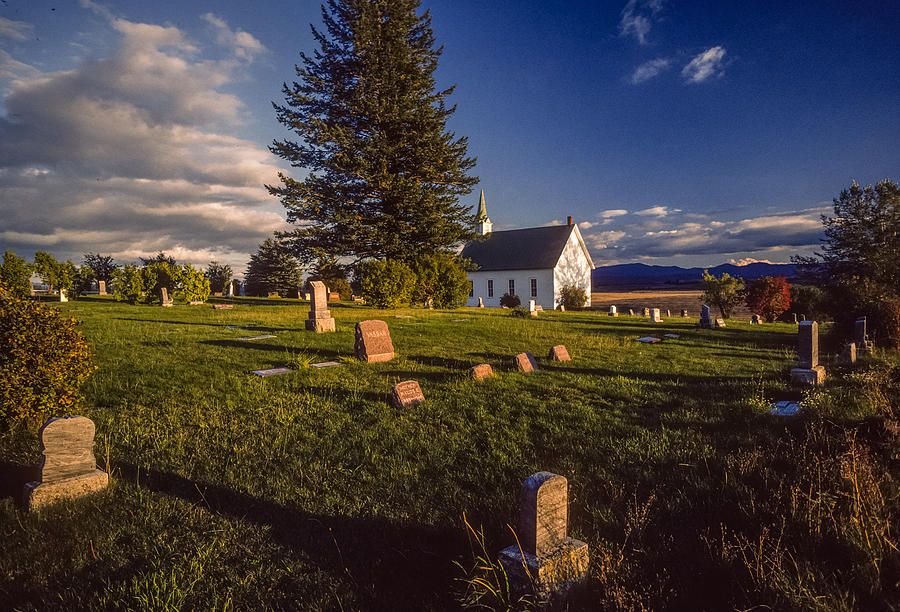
x: 642, y: 274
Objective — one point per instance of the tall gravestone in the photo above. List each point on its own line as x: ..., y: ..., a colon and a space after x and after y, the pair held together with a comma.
x: 62, y: 295
x: 654, y: 315
x: 480, y: 302
x: 164, y: 297
x: 68, y: 466
x: 532, y: 310
x: 645, y: 312
x: 705, y: 318
x: 860, y: 337
x: 319, y: 319
x: 848, y: 354
x: 809, y: 372
x: 613, y: 312
x: 548, y: 559
x: 631, y: 312
x: 230, y: 292
x: 684, y: 313
x: 755, y: 320
x: 373, y: 341
x: 101, y: 287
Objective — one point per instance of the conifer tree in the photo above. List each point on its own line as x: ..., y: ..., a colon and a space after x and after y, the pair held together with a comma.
x: 385, y: 174
x: 272, y: 268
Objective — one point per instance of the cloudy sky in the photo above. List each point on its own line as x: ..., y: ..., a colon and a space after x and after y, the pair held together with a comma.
x: 686, y: 133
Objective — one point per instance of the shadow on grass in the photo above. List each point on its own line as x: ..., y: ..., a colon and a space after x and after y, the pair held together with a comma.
x: 255, y: 328
x: 324, y: 354
x: 394, y: 564
x: 13, y: 477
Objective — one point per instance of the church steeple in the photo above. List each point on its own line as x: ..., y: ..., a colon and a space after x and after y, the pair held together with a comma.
x: 484, y: 223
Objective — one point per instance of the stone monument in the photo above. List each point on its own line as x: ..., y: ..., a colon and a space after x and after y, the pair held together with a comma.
x: 755, y: 320
x: 848, y: 354
x: 406, y: 394
x: 645, y: 312
x: 548, y: 559
x: 373, y: 341
x: 481, y: 371
x: 654, y: 315
x: 319, y: 319
x: 525, y: 362
x: 631, y: 312
x: 559, y: 353
x: 68, y: 467
x: 613, y: 312
x: 860, y: 338
x: 809, y: 372
x: 101, y: 287
x: 164, y: 297
x: 684, y: 313
x: 705, y: 320
x: 480, y: 302
x: 531, y: 308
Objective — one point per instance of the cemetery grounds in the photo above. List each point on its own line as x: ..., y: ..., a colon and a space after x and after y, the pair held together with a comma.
x: 309, y: 491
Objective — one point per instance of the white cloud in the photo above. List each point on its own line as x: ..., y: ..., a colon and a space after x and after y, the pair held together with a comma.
x: 17, y: 30
x: 637, y: 18
x: 649, y: 70
x: 242, y: 44
x: 614, y: 212
x: 705, y: 65
x: 135, y: 152
x: 746, y: 261
x: 11, y: 68
x: 657, y: 211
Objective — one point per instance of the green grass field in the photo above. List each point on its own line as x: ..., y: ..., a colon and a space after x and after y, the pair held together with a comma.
x: 309, y: 491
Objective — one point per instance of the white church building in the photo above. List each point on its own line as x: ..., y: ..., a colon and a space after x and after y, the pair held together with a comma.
x: 533, y: 263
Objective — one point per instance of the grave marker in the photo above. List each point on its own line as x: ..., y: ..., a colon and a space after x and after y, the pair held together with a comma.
x: 230, y: 292
x: 848, y: 354
x: 531, y: 309
x: 860, y: 338
x: 548, y: 559
x: 334, y: 296
x: 223, y: 306
x: 101, y: 287
x: 613, y: 312
x: 525, y: 362
x: 406, y: 394
x: 559, y: 353
x: 481, y: 371
x: 68, y: 466
x: 645, y: 312
x: 631, y: 312
x: 271, y: 372
x: 654, y: 316
x: 810, y: 373
x: 62, y: 295
x: 164, y: 297
x: 705, y: 319
x: 755, y: 320
x: 373, y: 341
x: 684, y: 313
x: 720, y: 323
x: 273, y: 294
x: 480, y: 302
x: 319, y: 319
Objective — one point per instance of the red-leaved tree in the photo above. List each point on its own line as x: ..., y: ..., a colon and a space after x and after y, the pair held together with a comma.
x: 768, y: 296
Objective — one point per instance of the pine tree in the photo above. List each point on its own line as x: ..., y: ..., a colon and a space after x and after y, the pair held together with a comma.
x: 385, y: 174
x: 272, y: 268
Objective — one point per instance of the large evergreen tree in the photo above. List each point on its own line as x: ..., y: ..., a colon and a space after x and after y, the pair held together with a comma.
x: 385, y: 174
x: 272, y: 268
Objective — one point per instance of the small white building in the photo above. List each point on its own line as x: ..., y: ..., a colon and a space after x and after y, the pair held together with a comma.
x: 533, y: 263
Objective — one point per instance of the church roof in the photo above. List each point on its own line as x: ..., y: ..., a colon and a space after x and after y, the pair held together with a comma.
x: 521, y: 249
x: 482, y: 209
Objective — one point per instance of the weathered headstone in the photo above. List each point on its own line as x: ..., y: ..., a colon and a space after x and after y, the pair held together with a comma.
x: 480, y: 302
x: 223, y: 306
x: 273, y: 294
x: 101, y: 287
x: 654, y: 315
x: 406, y: 394
x: 358, y: 299
x: 559, y: 353
x: 195, y: 303
x: 531, y: 309
x: 68, y: 467
x: 230, y: 292
x: 705, y: 318
x: 31, y: 288
x: 550, y: 561
x: 809, y: 372
x: 62, y: 295
x: 271, y: 372
x: 164, y: 297
x: 645, y: 312
x: 684, y: 313
x: 720, y: 323
x: 802, y: 318
x: 755, y: 320
x: 525, y: 362
x: 631, y: 312
x: 373, y: 341
x: 794, y: 319
x: 668, y: 313
x: 481, y: 371
x: 848, y: 354
x: 319, y: 319
x: 217, y: 294
x: 334, y: 296
x: 860, y: 338
x: 613, y: 312
x: 562, y: 307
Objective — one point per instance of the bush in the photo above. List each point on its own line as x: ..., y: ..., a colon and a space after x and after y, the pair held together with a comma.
x: 510, y: 301
x: 808, y: 300
x: 385, y: 284
x: 219, y: 276
x: 128, y: 284
x: 84, y: 281
x: 520, y: 312
x: 723, y: 292
x: 193, y: 285
x: 441, y: 278
x: 156, y: 275
x: 44, y: 362
x: 572, y: 297
x: 768, y: 296
x: 15, y: 274
x: 339, y: 285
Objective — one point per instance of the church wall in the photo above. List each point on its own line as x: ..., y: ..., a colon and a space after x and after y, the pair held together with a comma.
x: 522, y: 278
x: 572, y: 268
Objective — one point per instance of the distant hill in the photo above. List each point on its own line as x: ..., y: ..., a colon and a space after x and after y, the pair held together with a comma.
x: 642, y: 274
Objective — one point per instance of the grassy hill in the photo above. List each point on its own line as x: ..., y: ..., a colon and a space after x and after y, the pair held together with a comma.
x: 309, y: 491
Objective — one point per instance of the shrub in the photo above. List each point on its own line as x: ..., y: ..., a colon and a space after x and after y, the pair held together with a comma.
x: 385, y: 284
x: 341, y: 286
x: 332, y: 274
x: 15, y: 274
x: 808, y: 300
x: 156, y: 275
x: 723, y: 292
x: 572, y: 297
x: 84, y: 281
x: 44, y: 362
x: 441, y: 278
x: 193, y: 285
x: 219, y: 276
x: 518, y: 311
x: 768, y: 296
x: 510, y: 301
x: 128, y: 284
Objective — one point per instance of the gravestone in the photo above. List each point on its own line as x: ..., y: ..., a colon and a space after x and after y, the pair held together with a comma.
x: 101, y: 287
x: 334, y: 296
x: 30, y: 288
x: 531, y: 309
x: 480, y: 302
x: 559, y: 353
x: 720, y: 323
x: 755, y: 320
x: 223, y: 306
x: 562, y: 307
x: 668, y: 313
x: 613, y: 312
x: 683, y: 313
x: 68, y: 467
x: 195, y: 303
x: 164, y: 297
x: 273, y: 294
x: 860, y: 338
x: 645, y: 312
x: 539, y: 308
x: 848, y: 354
x: 802, y: 318
x: 62, y: 295
x: 373, y: 341
x: 810, y: 373
x: 299, y: 295
x: 525, y: 362
x: 654, y: 315
x: 550, y: 561
x: 319, y: 319
x: 481, y: 371
x: 794, y: 318
x: 217, y: 294
x: 271, y: 372
x: 705, y: 320
x: 406, y: 394
x: 631, y: 312
x: 230, y: 292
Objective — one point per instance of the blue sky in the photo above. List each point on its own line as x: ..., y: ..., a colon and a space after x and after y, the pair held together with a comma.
x: 687, y: 133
